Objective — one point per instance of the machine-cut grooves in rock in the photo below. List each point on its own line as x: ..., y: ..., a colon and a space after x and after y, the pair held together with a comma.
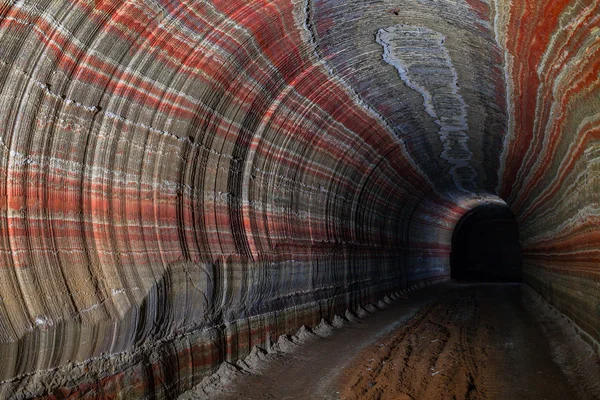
x: 183, y: 181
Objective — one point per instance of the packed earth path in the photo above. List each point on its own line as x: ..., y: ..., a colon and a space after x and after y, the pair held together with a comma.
x: 451, y: 341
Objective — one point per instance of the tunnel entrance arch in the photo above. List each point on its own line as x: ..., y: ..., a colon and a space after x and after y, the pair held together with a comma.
x: 486, y: 247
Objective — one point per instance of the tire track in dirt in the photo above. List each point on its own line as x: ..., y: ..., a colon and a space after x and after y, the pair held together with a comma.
x: 434, y: 356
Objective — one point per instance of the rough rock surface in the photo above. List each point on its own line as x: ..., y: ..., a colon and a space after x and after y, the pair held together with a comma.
x: 183, y: 181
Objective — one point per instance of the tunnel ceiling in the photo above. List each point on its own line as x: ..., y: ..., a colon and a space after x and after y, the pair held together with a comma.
x: 433, y: 73
x: 202, y: 176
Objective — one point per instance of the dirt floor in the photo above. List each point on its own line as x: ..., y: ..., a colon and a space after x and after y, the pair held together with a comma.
x: 452, y: 341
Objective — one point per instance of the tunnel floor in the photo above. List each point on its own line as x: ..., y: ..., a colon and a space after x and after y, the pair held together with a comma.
x: 463, y: 341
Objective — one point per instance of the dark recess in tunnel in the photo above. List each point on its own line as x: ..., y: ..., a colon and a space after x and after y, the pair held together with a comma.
x: 486, y: 247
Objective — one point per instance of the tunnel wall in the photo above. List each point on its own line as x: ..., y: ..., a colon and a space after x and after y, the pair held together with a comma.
x: 550, y: 173
x: 182, y: 182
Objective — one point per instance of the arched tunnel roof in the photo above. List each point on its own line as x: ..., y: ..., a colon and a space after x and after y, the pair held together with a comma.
x: 170, y: 167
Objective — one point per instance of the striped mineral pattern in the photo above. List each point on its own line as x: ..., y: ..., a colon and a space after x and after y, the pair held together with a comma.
x: 184, y: 180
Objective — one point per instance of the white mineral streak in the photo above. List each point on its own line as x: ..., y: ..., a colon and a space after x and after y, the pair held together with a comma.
x: 423, y: 63
x: 501, y: 16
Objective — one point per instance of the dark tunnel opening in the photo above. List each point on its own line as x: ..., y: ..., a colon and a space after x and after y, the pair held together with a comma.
x: 486, y: 247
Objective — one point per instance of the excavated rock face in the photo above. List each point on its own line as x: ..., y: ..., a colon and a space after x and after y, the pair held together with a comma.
x: 182, y: 181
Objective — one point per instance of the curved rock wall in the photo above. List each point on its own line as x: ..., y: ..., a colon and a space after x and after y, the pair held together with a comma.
x: 184, y: 180
x: 183, y: 177
x: 550, y: 172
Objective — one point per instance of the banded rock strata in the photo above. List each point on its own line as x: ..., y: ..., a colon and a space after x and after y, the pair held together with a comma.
x: 185, y: 180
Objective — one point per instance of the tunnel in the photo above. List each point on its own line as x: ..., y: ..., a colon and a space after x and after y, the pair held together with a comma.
x: 188, y: 187
x: 486, y: 247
